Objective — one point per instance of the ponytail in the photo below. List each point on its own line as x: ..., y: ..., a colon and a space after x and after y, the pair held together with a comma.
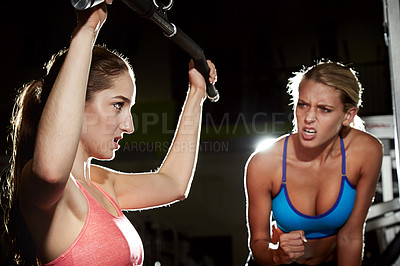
x: 28, y: 108
x: 25, y: 119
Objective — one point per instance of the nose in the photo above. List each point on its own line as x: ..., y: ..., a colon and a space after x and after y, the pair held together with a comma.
x: 127, y: 124
x: 311, y: 115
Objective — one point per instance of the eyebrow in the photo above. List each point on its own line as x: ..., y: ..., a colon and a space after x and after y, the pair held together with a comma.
x: 326, y: 106
x: 123, y: 98
x: 319, y: 105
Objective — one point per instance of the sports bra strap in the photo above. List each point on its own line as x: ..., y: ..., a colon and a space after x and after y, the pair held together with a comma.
x: 284, y: 160
x: 343, y: 156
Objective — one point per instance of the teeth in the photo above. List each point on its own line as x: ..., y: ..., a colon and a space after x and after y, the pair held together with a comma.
x: 309, y: 131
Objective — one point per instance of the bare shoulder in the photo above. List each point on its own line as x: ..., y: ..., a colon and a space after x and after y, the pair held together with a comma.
x: 365, y: 156
x: 364, y: 143
x: 265, y: 164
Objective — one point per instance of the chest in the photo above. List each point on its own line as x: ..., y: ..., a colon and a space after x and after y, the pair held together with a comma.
x: 101, y: 198
x: 314, y: 189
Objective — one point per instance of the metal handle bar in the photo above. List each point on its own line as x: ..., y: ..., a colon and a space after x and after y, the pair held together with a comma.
x: 144, y: 9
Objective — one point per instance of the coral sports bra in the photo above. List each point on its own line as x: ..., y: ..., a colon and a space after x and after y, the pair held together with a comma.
x: 104, y: 239
x: 319, y: 226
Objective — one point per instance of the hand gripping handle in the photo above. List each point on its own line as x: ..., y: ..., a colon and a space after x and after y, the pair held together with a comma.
x: 145, y: 9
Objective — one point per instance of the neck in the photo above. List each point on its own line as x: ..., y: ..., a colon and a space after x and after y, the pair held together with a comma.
x: 320, y: 153
x: 81, y: 167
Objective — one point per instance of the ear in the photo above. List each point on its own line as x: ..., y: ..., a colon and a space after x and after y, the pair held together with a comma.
x: 349, y: 116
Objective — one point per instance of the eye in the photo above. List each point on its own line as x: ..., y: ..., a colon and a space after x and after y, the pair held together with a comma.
x: 301, y: 105
x: 118, y: 105
x: 325, y: 110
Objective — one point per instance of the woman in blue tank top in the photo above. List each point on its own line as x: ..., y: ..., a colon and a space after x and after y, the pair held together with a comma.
x: 309, y: 193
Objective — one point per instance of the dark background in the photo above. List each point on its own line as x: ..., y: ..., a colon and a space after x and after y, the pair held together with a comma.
x: 256, y: 46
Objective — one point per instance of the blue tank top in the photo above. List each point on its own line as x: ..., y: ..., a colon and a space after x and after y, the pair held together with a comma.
x: 319, y: 226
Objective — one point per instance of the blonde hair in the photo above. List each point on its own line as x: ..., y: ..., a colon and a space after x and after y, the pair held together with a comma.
x: 333, y: 74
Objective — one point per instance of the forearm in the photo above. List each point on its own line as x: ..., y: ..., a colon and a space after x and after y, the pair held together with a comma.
x: 264, y: 252
x: 180, y: 162
x: 350, y: 251
x: 61, y: 121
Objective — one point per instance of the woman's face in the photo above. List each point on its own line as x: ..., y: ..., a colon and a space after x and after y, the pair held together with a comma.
x: 107, y: 117
x: 320, y: 113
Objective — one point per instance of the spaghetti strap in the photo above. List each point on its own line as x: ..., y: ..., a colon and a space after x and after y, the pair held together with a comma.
x: 284, y: 159
x: 110, y: 199
x: 343, y: 156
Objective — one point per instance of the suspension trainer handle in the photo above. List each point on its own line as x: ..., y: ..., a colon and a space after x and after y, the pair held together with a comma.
x: 145, y: 9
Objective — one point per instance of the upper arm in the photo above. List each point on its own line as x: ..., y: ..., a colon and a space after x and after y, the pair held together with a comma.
x: 258, y: 187
x: 37, y: 192
x: 370, y: 158
x: 137, y: 190
x: 350, y: 237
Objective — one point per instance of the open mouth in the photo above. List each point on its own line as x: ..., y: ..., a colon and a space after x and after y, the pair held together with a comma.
x: 309, y: 131
x: 116, y: 140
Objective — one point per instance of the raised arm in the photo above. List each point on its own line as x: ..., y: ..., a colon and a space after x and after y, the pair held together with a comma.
x: 59, y: 130
x: 172, y: 180
x: 180, y: 162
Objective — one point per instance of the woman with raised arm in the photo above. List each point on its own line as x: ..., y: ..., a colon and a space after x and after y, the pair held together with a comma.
x: 312, y: 208
x: 64, y: 210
